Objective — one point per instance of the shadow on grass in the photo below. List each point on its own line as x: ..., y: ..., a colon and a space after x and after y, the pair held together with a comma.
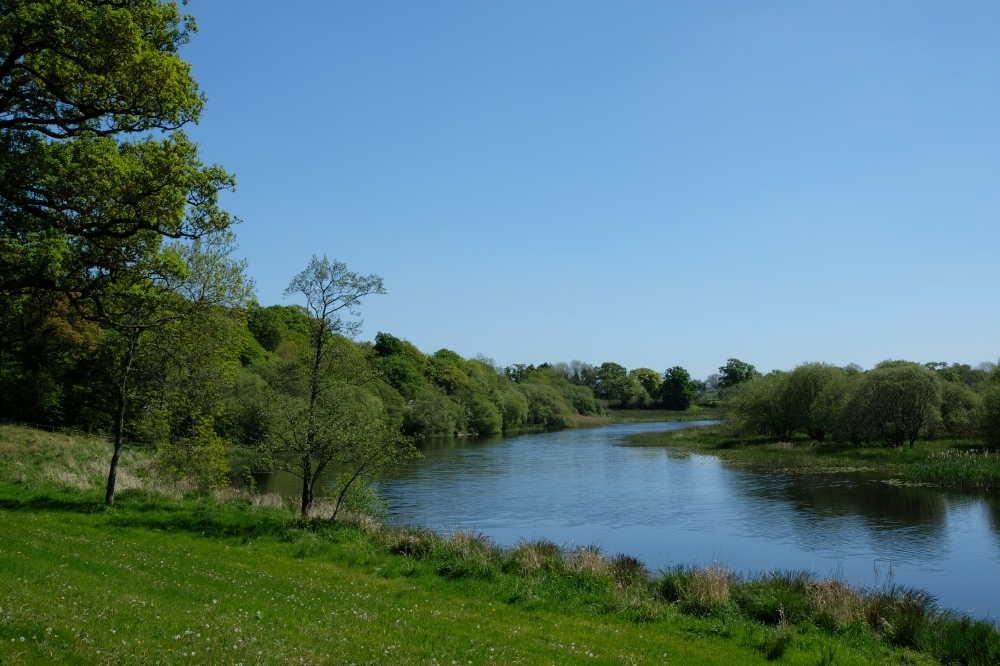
x: 47, y: 502
x: 135, y: 508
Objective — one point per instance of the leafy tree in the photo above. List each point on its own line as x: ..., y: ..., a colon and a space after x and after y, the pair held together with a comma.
x: 959, y: 408
x: 736, y: 372
x: 613, y: 383
x: 452, y: 379
x: 321, y: 418
x: 92, y: 67
x: 267, y: 327
x: 855, y: 423
x: 173, y: 286
x: 650, y: 380
x: 903, y: 399
x: 989, y: 409
x: 677, y: 392
x: 825, y: 412
x: 77, y: 203
x: 388, y: 345
x: 807, y: 382
x: 762, y: 406
x: 402, y: 374
x: 432, y: 414
x: 484, y: 417
x: 546, y: 407
x: 513, y: 406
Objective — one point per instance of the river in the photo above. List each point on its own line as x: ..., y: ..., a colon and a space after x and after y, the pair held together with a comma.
x: 581, y: 487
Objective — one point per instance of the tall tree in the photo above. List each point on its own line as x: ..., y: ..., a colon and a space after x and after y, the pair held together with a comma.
x: 677, y: 391
x: 174, y: 285
x: 322, y: 419
x: 736, y: 372
x: 78, y: 199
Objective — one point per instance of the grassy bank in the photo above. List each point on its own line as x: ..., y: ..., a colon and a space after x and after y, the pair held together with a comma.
x: 175, y: 575
x: 695, y: 413
x: 959, y: 464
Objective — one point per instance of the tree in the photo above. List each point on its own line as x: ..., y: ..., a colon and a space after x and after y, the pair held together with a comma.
x: 712, y: 381
x: 902, y: 400
x: 762, y: 406
x: 989, y: 409
x: 613, y: 383
x: 172, y: 286
x: 678, y: 391
x: 320, y: 414
x: 736, y: 372
x: 648, y: 379
x: 810, y: 414
x: 76, y: 204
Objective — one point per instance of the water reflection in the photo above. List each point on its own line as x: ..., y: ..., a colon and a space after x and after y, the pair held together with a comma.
x: 819, y: 506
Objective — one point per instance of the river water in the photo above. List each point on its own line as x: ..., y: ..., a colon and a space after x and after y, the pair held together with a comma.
x: 581, y: 487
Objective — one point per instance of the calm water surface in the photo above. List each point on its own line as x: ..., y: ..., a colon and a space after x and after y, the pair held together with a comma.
x: 581, y: 487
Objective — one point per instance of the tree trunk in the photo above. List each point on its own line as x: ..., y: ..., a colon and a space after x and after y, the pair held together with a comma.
x: 307, y: 495
x: 109, y: 496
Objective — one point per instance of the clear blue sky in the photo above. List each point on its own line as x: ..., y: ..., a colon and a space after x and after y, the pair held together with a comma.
x: 652, y: 183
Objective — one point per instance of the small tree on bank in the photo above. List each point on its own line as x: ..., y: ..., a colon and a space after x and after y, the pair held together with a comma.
x: 171, y: 287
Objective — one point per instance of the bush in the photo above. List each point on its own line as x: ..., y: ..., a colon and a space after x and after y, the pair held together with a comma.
x: 546, y: 407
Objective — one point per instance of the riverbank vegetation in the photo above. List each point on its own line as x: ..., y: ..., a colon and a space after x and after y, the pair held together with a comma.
x: 177, y: 573
x: 933, y: 424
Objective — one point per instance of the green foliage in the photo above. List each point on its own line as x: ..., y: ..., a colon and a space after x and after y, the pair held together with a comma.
x: 816, y: 392
x: 902, y: 400
x: 960, y: 407
x: 484, y: 417
x: 546, y: 407
x: 452, y: 379
x: 677, y: 391
x: 650, y: 380
x: 891, y: 405
x: 613, y: 383
x: 200, y: 455
x: 267, y: 327
x: 402, y: 374
x: 513, y: 407
x: 246, y: 417
x: 736, y: 372
x: 359, y: 496
x: 432, y: 414
x: 388, y: 345
x: 989, y: 410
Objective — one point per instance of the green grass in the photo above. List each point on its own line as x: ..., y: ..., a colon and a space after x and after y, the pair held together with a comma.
x: 695, y: 413
x: 944, y: 462
x: 964, y: 468
x: 177, y: 575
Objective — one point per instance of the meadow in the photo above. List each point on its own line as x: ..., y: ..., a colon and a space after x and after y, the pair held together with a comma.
x: 177, y: 574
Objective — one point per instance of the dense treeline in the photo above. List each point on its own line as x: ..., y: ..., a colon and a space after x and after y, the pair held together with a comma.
x: 893, y: 404
x: 619, y: 388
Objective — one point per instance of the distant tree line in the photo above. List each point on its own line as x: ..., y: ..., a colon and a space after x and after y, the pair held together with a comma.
x: 619, y: 388
x: 893, y: 404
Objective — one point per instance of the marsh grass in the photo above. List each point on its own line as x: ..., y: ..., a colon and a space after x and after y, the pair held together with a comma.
x: 695, y: 413
x: 773, y: 615
x: 964, y: 469
x: 950, y: 463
